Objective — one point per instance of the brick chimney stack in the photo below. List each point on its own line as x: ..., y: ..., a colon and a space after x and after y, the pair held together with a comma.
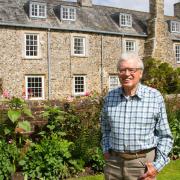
x: 177, y: 9
x: 159, y: 44
x: 85, y: 2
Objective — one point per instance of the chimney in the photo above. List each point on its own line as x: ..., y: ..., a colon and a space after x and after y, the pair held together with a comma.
x: 158, y: 44
x: 156, y: 8
x: 85, y: 2
x: 177, y: 9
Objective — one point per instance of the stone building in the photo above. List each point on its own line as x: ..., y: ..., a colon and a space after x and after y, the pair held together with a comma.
x: 51, y: 49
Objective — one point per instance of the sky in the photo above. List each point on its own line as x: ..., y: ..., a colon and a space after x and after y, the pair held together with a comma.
x: 141, y: 5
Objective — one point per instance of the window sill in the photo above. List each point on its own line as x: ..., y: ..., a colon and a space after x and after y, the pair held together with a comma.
x: 79, y: 56
x: 32, y: 58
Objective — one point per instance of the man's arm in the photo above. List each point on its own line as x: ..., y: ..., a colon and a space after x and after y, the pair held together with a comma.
x: 164, y: 144
x: 165, y: 139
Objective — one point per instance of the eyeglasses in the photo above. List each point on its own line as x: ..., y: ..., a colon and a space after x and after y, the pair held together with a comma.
x: 130, y: 70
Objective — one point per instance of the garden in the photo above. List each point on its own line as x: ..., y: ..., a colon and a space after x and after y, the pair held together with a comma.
x: 60, y: 139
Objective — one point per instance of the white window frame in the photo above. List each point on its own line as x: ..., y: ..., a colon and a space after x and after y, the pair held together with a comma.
x: 38, y: 6
x: 84, y: 45
x: 177, y: 52
x: 130, y: 45
x: 113, y: 86
x: 33, y: 46
x: 70, y: 13
x: 175, y: 26
x: 74, y: 83
x: 125, y: 20
x: 26, y: 87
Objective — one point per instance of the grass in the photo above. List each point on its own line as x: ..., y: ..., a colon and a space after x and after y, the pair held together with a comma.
x: 170, y: 172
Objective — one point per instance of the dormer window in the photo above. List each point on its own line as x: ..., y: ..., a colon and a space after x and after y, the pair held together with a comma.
x: 175, y: 26
x: 68, y: 13
x: 37, y: 10
x: 125, y: 20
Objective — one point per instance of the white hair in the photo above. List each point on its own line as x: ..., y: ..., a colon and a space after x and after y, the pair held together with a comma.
x: 131, y: 57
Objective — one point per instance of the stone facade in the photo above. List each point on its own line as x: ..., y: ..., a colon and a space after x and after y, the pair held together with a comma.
x: 177, y: 10
x: 58, y: 65
x: 159, y: 44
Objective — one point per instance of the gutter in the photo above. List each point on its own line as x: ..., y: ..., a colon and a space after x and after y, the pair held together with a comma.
x: 79, y: 30
x: 102, y: 83
x: 49, y: 62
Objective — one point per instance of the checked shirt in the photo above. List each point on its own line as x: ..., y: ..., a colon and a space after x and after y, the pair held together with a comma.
x: 136, y: 123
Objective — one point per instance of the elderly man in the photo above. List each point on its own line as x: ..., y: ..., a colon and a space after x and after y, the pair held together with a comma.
x: 136, y: 138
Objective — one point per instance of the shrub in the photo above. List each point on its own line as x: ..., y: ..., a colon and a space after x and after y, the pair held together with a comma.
x: 173, y: 113
x: 50, y: 159
x: 162, y: 76
x: 12, y: 133
x: 8, y: 155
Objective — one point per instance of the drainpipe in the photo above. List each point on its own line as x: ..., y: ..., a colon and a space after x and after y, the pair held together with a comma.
x: 49, y: 62
x: 122, y: 43
x: 101, y: 64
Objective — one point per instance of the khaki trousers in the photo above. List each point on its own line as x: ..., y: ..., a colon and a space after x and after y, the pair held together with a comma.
x: 117, y: 168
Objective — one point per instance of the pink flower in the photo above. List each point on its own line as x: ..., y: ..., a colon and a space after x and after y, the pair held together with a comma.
x: 70, y: 99
x: 87, y: 94
x: 6, y: 94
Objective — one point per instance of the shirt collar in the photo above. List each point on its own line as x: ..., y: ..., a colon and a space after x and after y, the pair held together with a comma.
x: 139, y: 92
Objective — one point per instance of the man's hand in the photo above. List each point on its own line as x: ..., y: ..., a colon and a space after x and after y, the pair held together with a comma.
x: 106, y: 155
x: 150, y: 174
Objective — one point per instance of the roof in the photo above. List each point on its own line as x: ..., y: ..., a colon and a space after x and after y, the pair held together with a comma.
x: 99, y: 19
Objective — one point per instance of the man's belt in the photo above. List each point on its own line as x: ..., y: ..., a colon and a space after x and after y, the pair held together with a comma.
x: 131, y: 156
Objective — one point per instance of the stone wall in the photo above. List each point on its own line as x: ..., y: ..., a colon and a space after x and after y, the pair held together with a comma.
x: 177, y: 10
x: 13, y: 64
x: 159, y: 44
x: 103, y: 54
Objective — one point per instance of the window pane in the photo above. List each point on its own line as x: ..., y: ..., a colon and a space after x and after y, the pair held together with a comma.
x: 177, y: 51
x: 38, y: 10
x: 68, y: 13
x: 113, y: 82
x: 31, y: 45
x: 42, y: 10
x: 34, y: 87
x: 79, y: 45
x: 125, y: 20
x: 175, y: 27
x: 130, y: 46
x: 34, y: 10
x: 79, y: 84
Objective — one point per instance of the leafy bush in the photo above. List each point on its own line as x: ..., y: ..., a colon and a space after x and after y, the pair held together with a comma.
x: 8, y: 154
x: 173, y: 113
x: 162, y: 76
x: 12, y: 133
x: 96, y: 159
x: 50, y: 159
x: 59, y: 121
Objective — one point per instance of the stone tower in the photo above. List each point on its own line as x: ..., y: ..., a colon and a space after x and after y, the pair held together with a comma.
x: 85, y: 2
x: 159, y: 44
x: 177, y: 9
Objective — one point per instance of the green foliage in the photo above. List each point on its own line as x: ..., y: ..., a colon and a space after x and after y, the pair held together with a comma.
x: 174, y: 122
x: 8, y: 154
x: 61, y: 122
x: 161, y: 76
x: 88, y: 109
x: 12, y: 132
x: 50, y: 159
x: 96, y: 159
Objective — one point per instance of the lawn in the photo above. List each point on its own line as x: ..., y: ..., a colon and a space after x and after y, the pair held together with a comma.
x: 170, y: 172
